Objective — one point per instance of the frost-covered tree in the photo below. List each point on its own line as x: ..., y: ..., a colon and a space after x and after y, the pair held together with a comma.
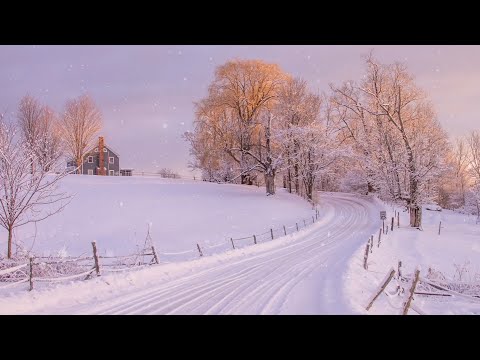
x: 308, y: 137
x: 236, y: 119
x: 473, y: 141
x: 397, y: 138
x: 296, y: 108
x: 414, y: 141
x: 27, y: 193
x: 455, y: 181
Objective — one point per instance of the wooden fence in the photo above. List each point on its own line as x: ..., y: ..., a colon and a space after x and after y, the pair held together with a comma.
x: 57, y: 269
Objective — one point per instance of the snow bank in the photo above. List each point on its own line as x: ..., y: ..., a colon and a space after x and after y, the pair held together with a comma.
x: 455, y: 253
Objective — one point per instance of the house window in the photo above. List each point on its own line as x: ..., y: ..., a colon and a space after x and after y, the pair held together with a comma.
x: 96, y: 149
x: 90, y: 160
x: 111, y: 160
x: 104, y: 149
x: 111, y: 173
x: 90, y: 172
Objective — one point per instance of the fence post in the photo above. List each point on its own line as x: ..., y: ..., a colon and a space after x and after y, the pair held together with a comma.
x: 296, y: 225
x: 439, y: 227
x: 95, y: 257
x: 399, y: 269
x: 379, y: 237
x: 381, y: 288
x: 412, y: 290
x: 313, y: 219
x: 271, y: 232
x: 383, y: 226
x: 31, y: 273
x: 233, y: 245
x: 254, y: 239
x: 284, y: 230
x: 155, y: 255
x: 392, y: 223
x: 398, y: 219
x: 365, y: 257
x: 371, y: 244
x: 199, y: 250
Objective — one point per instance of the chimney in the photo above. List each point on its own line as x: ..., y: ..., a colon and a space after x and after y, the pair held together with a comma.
x: 101, y: 158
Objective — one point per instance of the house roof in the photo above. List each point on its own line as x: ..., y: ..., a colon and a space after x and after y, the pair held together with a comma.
x: 107, y: 146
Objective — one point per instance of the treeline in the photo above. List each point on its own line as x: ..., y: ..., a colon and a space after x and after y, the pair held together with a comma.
x: 379, y: 134
x: 460, y: 186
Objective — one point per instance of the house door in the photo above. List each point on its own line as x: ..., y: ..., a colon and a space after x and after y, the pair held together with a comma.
x: 111, y: 172
x: 90, y: 171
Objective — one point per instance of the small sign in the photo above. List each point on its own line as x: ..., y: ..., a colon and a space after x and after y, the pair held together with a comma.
x: 383, y: 215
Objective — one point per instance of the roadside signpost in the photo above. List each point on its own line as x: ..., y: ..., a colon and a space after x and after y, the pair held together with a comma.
x: 383, y: 216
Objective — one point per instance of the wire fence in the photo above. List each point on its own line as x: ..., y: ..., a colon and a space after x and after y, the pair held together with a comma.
x: 60, y: 269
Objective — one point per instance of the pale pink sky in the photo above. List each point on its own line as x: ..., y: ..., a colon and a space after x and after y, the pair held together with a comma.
x: 146, y: 93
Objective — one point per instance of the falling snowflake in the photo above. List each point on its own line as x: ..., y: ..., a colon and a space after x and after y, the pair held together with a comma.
x: 184, y: 79
x: 165, y: 125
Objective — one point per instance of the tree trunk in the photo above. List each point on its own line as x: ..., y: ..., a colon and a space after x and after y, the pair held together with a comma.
x: 297, y: 182
x: 79, y: 166
x: 243, y: 179
x: 370, y: 188
x: 289, y: 181
x: 9, y: 252
x: 309, y: 189
x: 270, y: 183
x: 269, y: 168
x: 415, y: 216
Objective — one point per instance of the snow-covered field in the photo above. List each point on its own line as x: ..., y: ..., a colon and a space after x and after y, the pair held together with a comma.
x: 455, y: 253
x: 115, y: 211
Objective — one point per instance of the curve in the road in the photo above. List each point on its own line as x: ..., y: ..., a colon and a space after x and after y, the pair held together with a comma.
x: 262, y: 283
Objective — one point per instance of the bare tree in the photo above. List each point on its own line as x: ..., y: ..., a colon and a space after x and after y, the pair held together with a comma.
x: 39, y: 129
x: 26, y: 196
x: 79, y: 126
x: 29, y: 119
x: 49, y: 146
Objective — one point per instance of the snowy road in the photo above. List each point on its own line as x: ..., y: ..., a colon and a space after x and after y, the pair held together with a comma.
x: 303, y: 276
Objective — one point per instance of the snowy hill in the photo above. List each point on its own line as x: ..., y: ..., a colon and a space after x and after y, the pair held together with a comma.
x: 114, y: 211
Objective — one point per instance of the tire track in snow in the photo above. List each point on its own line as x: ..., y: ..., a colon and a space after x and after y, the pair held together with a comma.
x: 257, y: 284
